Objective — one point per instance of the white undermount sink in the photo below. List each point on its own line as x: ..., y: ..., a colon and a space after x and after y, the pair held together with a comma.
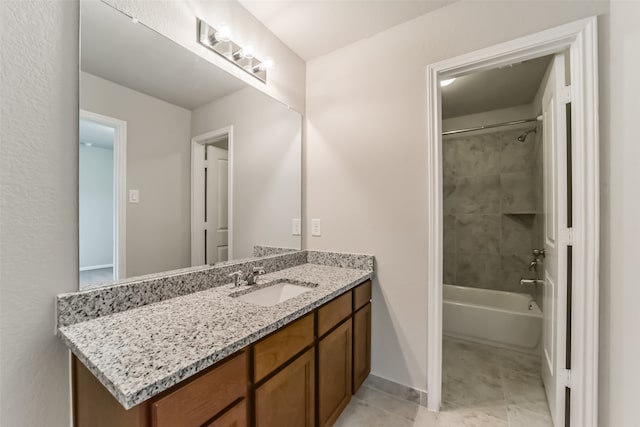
x: 274, y: 294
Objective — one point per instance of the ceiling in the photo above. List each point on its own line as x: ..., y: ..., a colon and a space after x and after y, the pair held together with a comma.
x: 96, y: 134
x: 312, y: 28
x: 504, y: 87
x: 132, y: 55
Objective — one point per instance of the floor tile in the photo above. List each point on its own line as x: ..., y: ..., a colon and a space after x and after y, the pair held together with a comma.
x: 360, y: 414
x: 379, y: 399
x: 483, y: 386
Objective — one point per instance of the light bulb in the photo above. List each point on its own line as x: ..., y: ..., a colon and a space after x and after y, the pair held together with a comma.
x: 267, y: 64
x: 446, y: 82
x: 223, y: 34
x: 247, y: 52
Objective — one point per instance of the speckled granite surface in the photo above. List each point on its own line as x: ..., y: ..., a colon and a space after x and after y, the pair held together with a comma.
x: 140, y: 352
x: 139, y: 291
x: 74, y: 307
x: 264, y: 250
x: 339, y: 259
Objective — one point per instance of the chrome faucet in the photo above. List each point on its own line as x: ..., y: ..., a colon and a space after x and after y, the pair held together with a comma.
x: 237, y: 278
x: 538, y: 254
x: 252, y: 277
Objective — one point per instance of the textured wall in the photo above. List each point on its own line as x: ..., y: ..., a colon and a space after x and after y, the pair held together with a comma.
x: 366, y: 155
x: 489, y: 209
x: 38, y: 205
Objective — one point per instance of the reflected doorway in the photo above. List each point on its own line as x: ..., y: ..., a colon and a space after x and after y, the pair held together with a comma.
x: 101, y: 224
x: 211, y: 192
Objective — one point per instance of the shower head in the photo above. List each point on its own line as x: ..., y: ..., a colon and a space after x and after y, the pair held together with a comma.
x: 523, y: 136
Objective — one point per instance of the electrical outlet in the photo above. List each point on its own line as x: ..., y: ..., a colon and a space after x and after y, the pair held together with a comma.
x: 315, y: 227
x: 134, y: 196
x: 297, y: 226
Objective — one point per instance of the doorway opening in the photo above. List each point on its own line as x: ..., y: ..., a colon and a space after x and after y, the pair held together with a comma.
x: 211, y: 197
x: 513, y: 207
x: 102, y: 216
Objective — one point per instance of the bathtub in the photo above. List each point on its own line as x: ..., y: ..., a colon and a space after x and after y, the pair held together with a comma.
x: 504, y: 319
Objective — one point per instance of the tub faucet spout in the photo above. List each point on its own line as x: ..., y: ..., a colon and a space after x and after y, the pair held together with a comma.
x: 524, y: 281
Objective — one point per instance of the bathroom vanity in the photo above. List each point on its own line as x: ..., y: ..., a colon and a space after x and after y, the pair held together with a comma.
x: 211, y: 358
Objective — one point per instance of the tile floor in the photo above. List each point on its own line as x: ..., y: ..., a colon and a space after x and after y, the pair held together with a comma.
x: 483, y: 386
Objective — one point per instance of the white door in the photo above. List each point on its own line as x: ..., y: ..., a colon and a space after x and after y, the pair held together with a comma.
x: 556, y: 234
x: 217, y: 205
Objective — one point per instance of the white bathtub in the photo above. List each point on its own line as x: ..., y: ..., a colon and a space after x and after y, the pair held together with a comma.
x: 504, y: 319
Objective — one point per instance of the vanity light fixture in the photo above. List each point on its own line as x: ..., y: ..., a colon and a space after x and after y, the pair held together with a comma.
x: 219, y: 41
x: 447, y: 82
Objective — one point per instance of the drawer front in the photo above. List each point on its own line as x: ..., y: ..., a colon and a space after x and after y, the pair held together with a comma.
x: 234, y: 417
x: 200, y: 400
x: 273, y: 351
x: 332, y: 313
x: 362, y: 295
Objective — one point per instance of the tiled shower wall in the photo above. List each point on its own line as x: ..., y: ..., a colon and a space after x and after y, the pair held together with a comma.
x: 492, y: 199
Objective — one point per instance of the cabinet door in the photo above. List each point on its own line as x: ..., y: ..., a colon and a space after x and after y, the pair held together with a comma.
x: 334, y: 373
x: 234, y: 417
x: 288, y: 398
x: 361, y: 346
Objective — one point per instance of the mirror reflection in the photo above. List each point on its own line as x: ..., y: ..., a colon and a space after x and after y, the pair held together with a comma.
x: 181, y: 164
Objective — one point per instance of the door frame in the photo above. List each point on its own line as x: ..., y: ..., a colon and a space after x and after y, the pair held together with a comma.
x: 580, y: 37
x: 120, y: 189
x: 197, y: 208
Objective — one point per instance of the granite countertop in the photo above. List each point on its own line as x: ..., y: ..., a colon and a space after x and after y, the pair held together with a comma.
x: 141, y: 352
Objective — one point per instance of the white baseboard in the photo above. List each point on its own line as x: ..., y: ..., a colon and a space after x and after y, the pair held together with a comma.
x: 96, y: 267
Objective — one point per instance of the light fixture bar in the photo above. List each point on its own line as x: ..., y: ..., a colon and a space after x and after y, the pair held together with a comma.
x: 220, y: 42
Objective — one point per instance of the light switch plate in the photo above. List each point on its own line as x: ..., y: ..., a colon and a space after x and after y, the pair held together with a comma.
x: 315, y: 227
x: 297, y: 227
x: 134, y: 196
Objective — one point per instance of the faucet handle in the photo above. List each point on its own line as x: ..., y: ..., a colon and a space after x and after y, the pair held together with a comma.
x: 538, y: 252
x: 237, y: 278
x: 258, y: 270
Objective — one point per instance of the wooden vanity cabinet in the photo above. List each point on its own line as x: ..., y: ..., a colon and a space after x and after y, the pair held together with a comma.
x: 334, y: 373
x: 234, y: 417
x: 301, y: 375
x: 361, y: 346
x: 288, y: 398
x: 200, y: 400
x: 361, y: 334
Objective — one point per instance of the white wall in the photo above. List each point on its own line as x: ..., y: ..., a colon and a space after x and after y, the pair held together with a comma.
x: 38, y: 205
x: 366, y: 155
x: 177, y: 20
x: 96, y: 206
x: 267, y: 161
x: 39, y: 199
x: 158, y: 165
x: 620, y: 210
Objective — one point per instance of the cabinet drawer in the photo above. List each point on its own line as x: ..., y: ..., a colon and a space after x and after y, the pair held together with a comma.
x: 361, y: 295
x: 234, y: 417
x: 200, y: 400
x: 332, y: 313
x: 276, y: 349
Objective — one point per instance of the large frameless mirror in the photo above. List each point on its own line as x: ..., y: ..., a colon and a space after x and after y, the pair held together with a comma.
x: 181, y: 163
